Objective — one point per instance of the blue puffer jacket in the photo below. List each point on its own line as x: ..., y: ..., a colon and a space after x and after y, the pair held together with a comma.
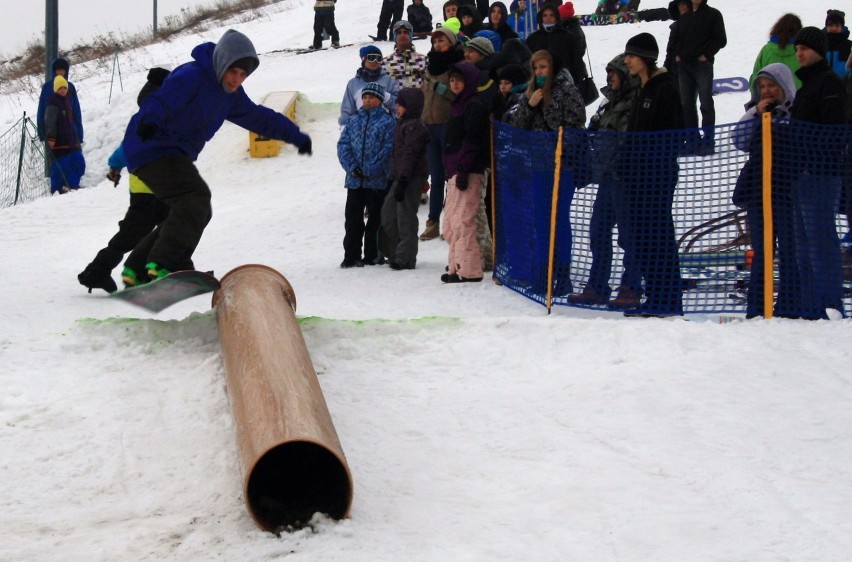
x: 366, y: 143
x: 191, y: 106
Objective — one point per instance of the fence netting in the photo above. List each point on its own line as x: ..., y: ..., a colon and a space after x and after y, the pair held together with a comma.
x: 674, y: 221
x: 22, y: 164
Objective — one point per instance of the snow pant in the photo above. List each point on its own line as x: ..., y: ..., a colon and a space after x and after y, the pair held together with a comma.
x: 390, y: 14
x: 459, y: 227
x: 818, y: 255
x: 695, y: 79
x: 609, y: 209
x: 400, y: 224
x: 789, y: 289
x: 175, y: 181
x: 143, y: 215
x: 324, y: 21
x: 651, y: 228
x: 356, y: 229
x: 437, y: 172
x: 483, y: 228
x: 66, y: 172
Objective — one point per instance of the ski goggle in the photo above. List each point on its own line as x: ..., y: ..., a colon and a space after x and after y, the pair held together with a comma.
x: 374, y: 57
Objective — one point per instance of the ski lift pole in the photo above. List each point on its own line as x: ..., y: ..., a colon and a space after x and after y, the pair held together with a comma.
x: 21, y: 158
x: 115, y: 64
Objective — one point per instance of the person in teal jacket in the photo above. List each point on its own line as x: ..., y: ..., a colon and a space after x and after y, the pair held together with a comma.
x: 780, y: 47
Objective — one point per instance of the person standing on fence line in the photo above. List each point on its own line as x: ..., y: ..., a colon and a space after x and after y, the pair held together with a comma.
x: 370, y: 71
x: 421, y: 19
x: 166, y: 135
x: 59, y: 67
x: 700, y: 34
x: 466, y: 152
x: 324, y: 22
x: 61, y: 134
x: 676, y: 9
x: 143, y: 214
x: 772, y: 91
x: 609, y: 209
x: 648, y: 171
x: 816, y: 191
x: 436, y: 112
x: 405, y: 64
x: 523, y: 17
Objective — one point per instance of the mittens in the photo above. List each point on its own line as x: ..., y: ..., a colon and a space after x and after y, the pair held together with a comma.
x: 461, y: 181
x: 358, y: 173
x: 440, y: 88
x: 306, y: 148
x: 399, y: 187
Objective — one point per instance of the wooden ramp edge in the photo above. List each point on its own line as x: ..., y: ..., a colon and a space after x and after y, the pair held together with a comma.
x: 292, y: 462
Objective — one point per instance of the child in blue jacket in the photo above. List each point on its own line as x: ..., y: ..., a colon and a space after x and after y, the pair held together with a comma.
x: 364, y: 151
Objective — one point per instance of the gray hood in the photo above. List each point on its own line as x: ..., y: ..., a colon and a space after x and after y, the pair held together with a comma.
x: 781, y: 74
x: 232, y: 47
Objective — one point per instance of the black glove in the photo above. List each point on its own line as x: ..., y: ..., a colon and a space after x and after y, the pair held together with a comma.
x: 461, y: 181
x: 306, y: 148
x: 399, y: 187
x: 358, y: 173
x: 114, y: 175
x: 146, y: 131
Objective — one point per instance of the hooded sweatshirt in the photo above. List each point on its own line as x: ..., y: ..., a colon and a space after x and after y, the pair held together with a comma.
x: 410, y: 138
x: 192, y: 105
x: 466, y: 138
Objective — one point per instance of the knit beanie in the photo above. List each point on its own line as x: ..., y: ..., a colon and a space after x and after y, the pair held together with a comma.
x: 814, y: 38
x: 514, y: 73
x: 453, y: 24
x: 835, y: 17
x: 59, y: 82
x: 402, y: 24
x: 369, y: 50
x: 374, y: 89
x: 247, y: 64
x: 643, y: 45
x: 566, y: 11
x: 481, y: 45
x: 448, y: 33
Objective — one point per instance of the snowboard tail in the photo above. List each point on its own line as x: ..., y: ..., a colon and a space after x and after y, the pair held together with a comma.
x: 171, y: 289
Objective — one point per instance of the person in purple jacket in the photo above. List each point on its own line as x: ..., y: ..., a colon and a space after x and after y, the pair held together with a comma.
x: 172, y: 126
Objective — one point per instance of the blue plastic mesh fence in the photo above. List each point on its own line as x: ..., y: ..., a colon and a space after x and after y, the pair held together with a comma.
x: 22, y: 176
x: 654, y: 213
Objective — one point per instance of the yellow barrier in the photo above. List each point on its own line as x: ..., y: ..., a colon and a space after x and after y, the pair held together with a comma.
x: 282, y: 102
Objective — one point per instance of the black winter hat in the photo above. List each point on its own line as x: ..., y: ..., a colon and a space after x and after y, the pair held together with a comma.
x: 814, y: 38
x: 835, y: 16
x: 643, y: 45
x: 514, y: 73
x: 158, y: 75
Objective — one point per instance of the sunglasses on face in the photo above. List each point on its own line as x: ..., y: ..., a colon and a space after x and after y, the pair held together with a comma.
x: 373, y: 57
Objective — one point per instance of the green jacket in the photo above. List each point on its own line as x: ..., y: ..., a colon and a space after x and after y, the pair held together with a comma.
x: 770, y: 53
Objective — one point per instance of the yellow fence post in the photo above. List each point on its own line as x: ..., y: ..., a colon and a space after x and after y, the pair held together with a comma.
x: 553, y: 203
x: 493, y: 201
x: 768, y: 234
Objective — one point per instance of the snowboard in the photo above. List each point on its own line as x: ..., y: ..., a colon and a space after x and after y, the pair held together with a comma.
x: 305, y: 50
x: 654, y: 14
x: 171, y: 289
x: 728, y: 85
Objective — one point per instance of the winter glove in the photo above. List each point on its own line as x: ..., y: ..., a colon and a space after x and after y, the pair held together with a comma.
x: 399, y: 187
x: 461, y: 181
x: 358, y: 173
x: 440, y: 88
x: 114, y: 175
x: 146, y: 131
x: 306, y: 148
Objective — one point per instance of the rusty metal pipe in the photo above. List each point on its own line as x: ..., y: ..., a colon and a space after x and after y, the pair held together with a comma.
x: 293, y: 464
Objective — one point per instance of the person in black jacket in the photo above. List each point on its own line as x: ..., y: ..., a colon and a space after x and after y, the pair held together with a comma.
x: 698, y: 36
x: 648, y: 172
x: 497, y: 21
x: 816, y: 189
x: 562, y: 41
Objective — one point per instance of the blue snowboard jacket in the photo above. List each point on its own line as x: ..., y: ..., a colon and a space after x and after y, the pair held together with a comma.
x: 191, y: 106
x: 366, y: 143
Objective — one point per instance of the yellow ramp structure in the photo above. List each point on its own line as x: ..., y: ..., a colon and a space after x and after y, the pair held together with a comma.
x: 282, y: 102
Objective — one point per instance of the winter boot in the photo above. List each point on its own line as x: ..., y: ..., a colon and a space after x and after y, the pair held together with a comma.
x: 588, y: 297
x: 96, y: 280
x: 155, y: 271
x: 433, y: 230
x: 133, y: 279
x: 626, y: 299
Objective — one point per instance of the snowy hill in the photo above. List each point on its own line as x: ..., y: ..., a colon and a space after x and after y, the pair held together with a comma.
x: 476, y: 427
